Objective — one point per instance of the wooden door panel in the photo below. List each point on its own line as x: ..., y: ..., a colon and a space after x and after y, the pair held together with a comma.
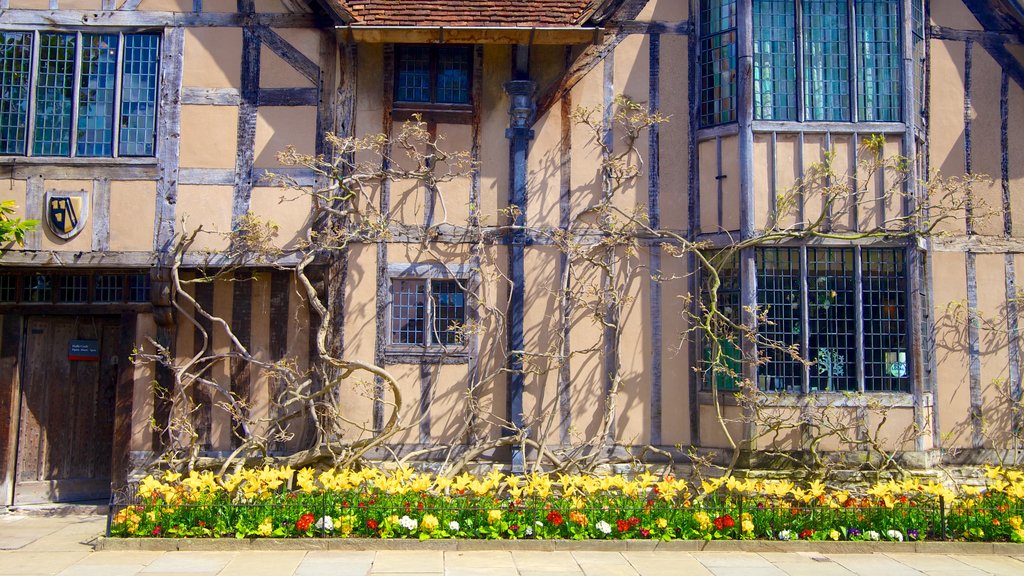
x: 67, y: 411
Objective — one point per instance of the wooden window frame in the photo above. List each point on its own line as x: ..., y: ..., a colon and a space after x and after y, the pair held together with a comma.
x: 450, y: 113
x: 428, y: 351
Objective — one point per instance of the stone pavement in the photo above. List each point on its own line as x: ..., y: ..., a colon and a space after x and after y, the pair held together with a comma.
x: 33, y: 545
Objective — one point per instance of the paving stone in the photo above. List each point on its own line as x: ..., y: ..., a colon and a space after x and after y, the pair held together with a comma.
x: 408, y: 561
x: 656, y: 563
x: 468, y: 563
x: 873, y: 565
x: 926, y: 562
x: 743, y: 560
x: 142, y: 558
x: 998, y: 565
x: 547, y: 562
x: 93, y: 570
x: 812, y: 568
x: 333, y: 563
x: 599, y: 563
x: 37, y: 562
x: 263, y: 563
x: 189, y: 562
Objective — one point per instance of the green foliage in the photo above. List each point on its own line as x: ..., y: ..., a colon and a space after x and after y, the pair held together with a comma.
x: 13, y: 229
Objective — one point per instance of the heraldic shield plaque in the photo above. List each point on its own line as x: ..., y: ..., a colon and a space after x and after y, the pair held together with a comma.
x: 66, y: 212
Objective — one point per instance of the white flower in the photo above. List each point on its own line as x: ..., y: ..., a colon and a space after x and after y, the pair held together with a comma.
x: 872, y: 535
x: 786, y: 535
x: 894, y: 535
x: 454, y: 526
x: 539, y: 523
x: 603, y: 527
x: 407, y: 523
x: 326, y: 524
x: 529, y: 530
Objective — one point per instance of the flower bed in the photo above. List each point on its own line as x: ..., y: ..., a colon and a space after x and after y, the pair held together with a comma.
x: 283, y: 503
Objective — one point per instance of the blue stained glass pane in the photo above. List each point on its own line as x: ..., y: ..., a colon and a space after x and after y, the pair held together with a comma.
x: 139, y: 95
x: 826, y: 60
x: 15, y: 69
x: 54, y: 94
x: 96, y: 91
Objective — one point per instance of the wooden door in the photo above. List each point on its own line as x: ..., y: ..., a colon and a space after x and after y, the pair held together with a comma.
x: 67, y: 411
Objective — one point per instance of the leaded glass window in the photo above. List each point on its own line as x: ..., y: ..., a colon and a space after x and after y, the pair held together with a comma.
x: 826, y: 60
x: 885, y: 320
x: 89, y: 95
x: 717, y: 62
x: 832, y: 319
x: 878, y: 60
x: 779, y: 336
x: 15, y: 71
x: 721, y: 349
x: 433, y: 74
x: 775, y: 94
x: 80, y: 287
x: 427, y: 311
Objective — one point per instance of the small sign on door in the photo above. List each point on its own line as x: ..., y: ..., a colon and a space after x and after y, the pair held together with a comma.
x: 83, y: 350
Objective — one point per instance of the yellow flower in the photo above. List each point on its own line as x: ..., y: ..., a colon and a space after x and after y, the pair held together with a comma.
x: 834, y: 534
x: 493, y: 516
x: 347, y: 523
x: 1015, y: 522
x: 266, y: 527
x: 429, y: 523
x: 747, y: 525
x: 703, y: 520
x: 661, y: 523
x: 305, y: 480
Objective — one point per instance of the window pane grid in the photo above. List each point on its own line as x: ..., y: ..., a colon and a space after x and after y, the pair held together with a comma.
x: 726, y: 375
x: 449, y: 307
x: 831, y: 319
x: 138, y: 95
x: 413, y: 74
x: 37, y: 288
x: 918, y: 25
x: 779, y: 301
x: 108, y: 287
x: 74, y: 288
x: 138, y: 288
x: 15, y: 70
x: 774, y: 59
x: 408, y: 311
x: 54, y: 92
x: 453, y: 75
x: 8, y: 288
x: 96, y: 93
x: 826, y: 60
x: 878, y: 60
x: 885, y: 320
x: 717, y: 62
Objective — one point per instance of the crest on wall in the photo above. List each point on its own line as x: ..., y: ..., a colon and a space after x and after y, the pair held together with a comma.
x: 66, y: 212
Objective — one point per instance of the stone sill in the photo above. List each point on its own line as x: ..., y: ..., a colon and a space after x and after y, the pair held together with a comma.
x: 354, y: 544
x: 797, y: 399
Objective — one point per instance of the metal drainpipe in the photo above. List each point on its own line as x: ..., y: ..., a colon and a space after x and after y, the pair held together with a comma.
x: 522, y: 109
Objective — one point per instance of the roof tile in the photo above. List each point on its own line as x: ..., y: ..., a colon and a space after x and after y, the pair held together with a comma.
x: 517, y: 13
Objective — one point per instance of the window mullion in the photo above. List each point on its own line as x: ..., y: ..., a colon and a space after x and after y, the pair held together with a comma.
x: 115, y: 144
x: 853, y: 60
x: 33, y: 81
x: 798, y: 20
x: 805, y: 322
x: 428, y: 314
x: 76, y: 88
x: 858, y: 299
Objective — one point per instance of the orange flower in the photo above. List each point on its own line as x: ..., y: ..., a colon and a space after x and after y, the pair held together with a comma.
x: 578, y: 517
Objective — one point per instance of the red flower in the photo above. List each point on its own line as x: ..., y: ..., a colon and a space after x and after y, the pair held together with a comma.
x: 304, y: 522
x: 362, y: 505
x: 719, y: 523
x: 202, y: 524
x: 806, y: 534
x: 419, y: 506
x: 157, y: 530
x: 633, y: 521
x: 555, y: 517
x: 622, y: 525
x: 645, y: 532
x: 371, y: 524
x: 728, y: 521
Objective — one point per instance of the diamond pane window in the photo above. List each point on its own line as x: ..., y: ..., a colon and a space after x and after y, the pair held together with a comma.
x: 139, y: 94
x: 15, y: 70
x: 717, y: 62
x: 878, y: 60
x: 826, y: 60
x: 775, y: 95
x: 96, y: 94
x: 54, y: 95
x: 433, y: 74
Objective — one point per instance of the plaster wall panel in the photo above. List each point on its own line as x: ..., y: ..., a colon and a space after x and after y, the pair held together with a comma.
x: 408, y: 378
x: 633, y: 406
x: 953, y: 14
x: 986, y: 145
x: 82, y: 241
x: 79, y: 4
x: 213, y: 58
x: 946, y: 118
x: 892, y: 193
x: 448, y: 406
x: 276, y: 73
x: 305, y: 40
x: 707, y: 156
x: 674, y: 135
x: 587, y: 364
x: 633, y: 80
x: 542, y: 332
x: 278, y: 127
x: 664, y: 11
x: 301, y: 322
x: 260, y: 379
x: 271, y: 7
x: 493, y: 145
x: 547, y: 63
x: 1015, y: 137
x: 586, y: 154
x: 220, y: 343
x: 951, y: 346
x: 29, y: 4
x: 132, y: 214
x: 814, y: 150
x: 492, y: 389
x: 842, y: 165
x: 712, y: 433
x: 142, y: 391
x: 209, y: 207
x: 730, y: 183
x: 184, y: 342
x: 453, y: 204
x: 369, y: 108
x: 896, y: 430
x: 762, y: 181
x: 220, y: 6
x: 14, y: 190
x: 165, y: 6
x: 289, y: 210
x: 209, y: 136
x: 788, y: 172
x: 676, y: 371
x: 360, y: 333
x: 785, y: 436
x: 544, y: 168
x: 994, y: 347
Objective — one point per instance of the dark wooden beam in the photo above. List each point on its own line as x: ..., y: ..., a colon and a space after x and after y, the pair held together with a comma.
x: 202, y: 396
x: 168, y: 138
x: 246, y: 135
x: 290, y: 54
x: 241, y: 326
x: 123, y: 401
x: 10, y: 371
